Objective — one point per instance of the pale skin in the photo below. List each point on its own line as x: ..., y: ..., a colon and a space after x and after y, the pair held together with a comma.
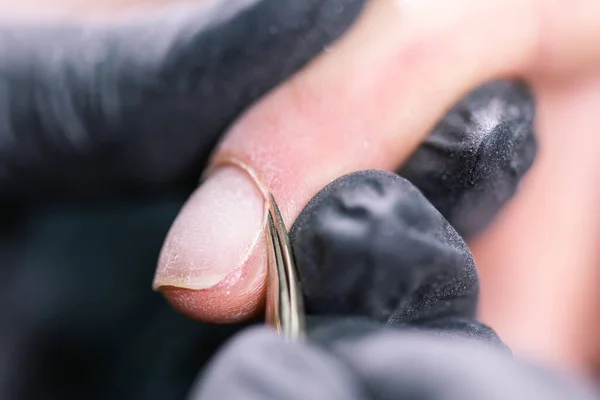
x: 370, y: 100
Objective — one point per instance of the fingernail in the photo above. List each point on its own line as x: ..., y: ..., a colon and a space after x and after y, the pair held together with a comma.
x: 214, y: 233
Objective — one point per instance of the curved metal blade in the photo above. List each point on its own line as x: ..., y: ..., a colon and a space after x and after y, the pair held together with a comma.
x: 284, y: 308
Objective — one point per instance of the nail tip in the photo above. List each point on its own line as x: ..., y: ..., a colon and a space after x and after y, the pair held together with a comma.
x: 157, y: 287
x: 162, y: 285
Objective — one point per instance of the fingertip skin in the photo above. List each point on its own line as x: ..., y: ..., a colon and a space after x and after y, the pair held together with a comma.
x: 139, y: 102
x: 475, y: 158
x: 238, y: 297
x: 215, y: 305
x: 370, y: 244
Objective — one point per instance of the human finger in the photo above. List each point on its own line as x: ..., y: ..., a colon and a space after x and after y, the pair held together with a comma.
x: 321, y: 125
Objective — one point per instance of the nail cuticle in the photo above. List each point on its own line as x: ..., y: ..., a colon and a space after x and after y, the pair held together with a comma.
x: 224, y: 161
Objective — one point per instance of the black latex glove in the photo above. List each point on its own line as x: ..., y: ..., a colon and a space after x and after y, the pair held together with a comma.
x: 377, y: 365
x: 391, y: 291
x: 370, y: 245
x: 140, y: 102
x: 98, y: 111
x: 473, y: 161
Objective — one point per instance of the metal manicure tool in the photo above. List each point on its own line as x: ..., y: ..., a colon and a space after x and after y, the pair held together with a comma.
x: 284, y: 308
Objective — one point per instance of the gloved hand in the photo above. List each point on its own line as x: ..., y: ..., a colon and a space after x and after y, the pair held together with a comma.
x: 378, y: 364
x: 391, y: 293
x: 116, y: 119
x: 55, y: 254
x: 138, y: 102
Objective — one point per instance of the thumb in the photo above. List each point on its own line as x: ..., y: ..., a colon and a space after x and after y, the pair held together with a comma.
x: 366, y: 103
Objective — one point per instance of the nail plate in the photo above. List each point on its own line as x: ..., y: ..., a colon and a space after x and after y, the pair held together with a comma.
x: 214, y: 233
